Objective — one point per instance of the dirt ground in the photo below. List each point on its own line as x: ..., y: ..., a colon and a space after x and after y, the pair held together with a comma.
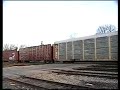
x: 43, y: 71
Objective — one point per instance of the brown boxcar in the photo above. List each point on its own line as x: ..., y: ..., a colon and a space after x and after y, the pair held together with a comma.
x: 11, y: 55
x: 23, y: 54
x: 40, y: 49
x: 35, y: 53
x: 29, y: 53
x: 49, y: 52
x: 40, y: 54
x: 44, y: 52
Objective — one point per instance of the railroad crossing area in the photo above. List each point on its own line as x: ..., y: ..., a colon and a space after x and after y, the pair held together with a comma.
x: 61, y: 76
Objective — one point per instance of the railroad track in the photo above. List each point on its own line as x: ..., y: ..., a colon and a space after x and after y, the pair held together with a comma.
x: 105, y: 68
x: 23, y: 84
x: 40, y: 84
x: 104, y: 71
x: 93, y: 74
x: 98, y: 69
x: 104, y: 65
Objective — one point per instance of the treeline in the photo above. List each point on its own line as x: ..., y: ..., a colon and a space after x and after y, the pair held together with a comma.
x: 12, y: 47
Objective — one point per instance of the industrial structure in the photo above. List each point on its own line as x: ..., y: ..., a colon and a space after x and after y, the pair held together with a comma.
x: 99, y: 47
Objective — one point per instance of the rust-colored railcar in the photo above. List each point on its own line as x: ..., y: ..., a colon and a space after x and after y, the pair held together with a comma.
x: 41, y: 51
x: 34, y: 53
x: 49, y: 52
x: 44, y: 52
x: 11, y: 55
x: 37, y: 53
x: 23, y: 54
x: 29, y: 53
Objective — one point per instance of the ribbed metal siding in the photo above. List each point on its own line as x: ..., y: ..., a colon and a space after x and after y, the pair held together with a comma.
x: 89, y: 49
x: 62, y: 51
x: 114, y: 47
x: 93, y: 49
x: 78, y: 50
x: 102, y: 48
x: 69, y: 50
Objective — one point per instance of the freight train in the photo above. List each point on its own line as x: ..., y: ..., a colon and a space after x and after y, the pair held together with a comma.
x: 102, y: 47
x: 10, y: 55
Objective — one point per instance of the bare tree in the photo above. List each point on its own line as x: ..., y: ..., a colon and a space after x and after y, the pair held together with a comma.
x: 5, y: 47
x: 22, y: 46
x: 9, y: 47
x: 106, y: 29
x: 13, y: 47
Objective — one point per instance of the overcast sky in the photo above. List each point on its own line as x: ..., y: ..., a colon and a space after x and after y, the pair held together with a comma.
x: 30, y: 22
